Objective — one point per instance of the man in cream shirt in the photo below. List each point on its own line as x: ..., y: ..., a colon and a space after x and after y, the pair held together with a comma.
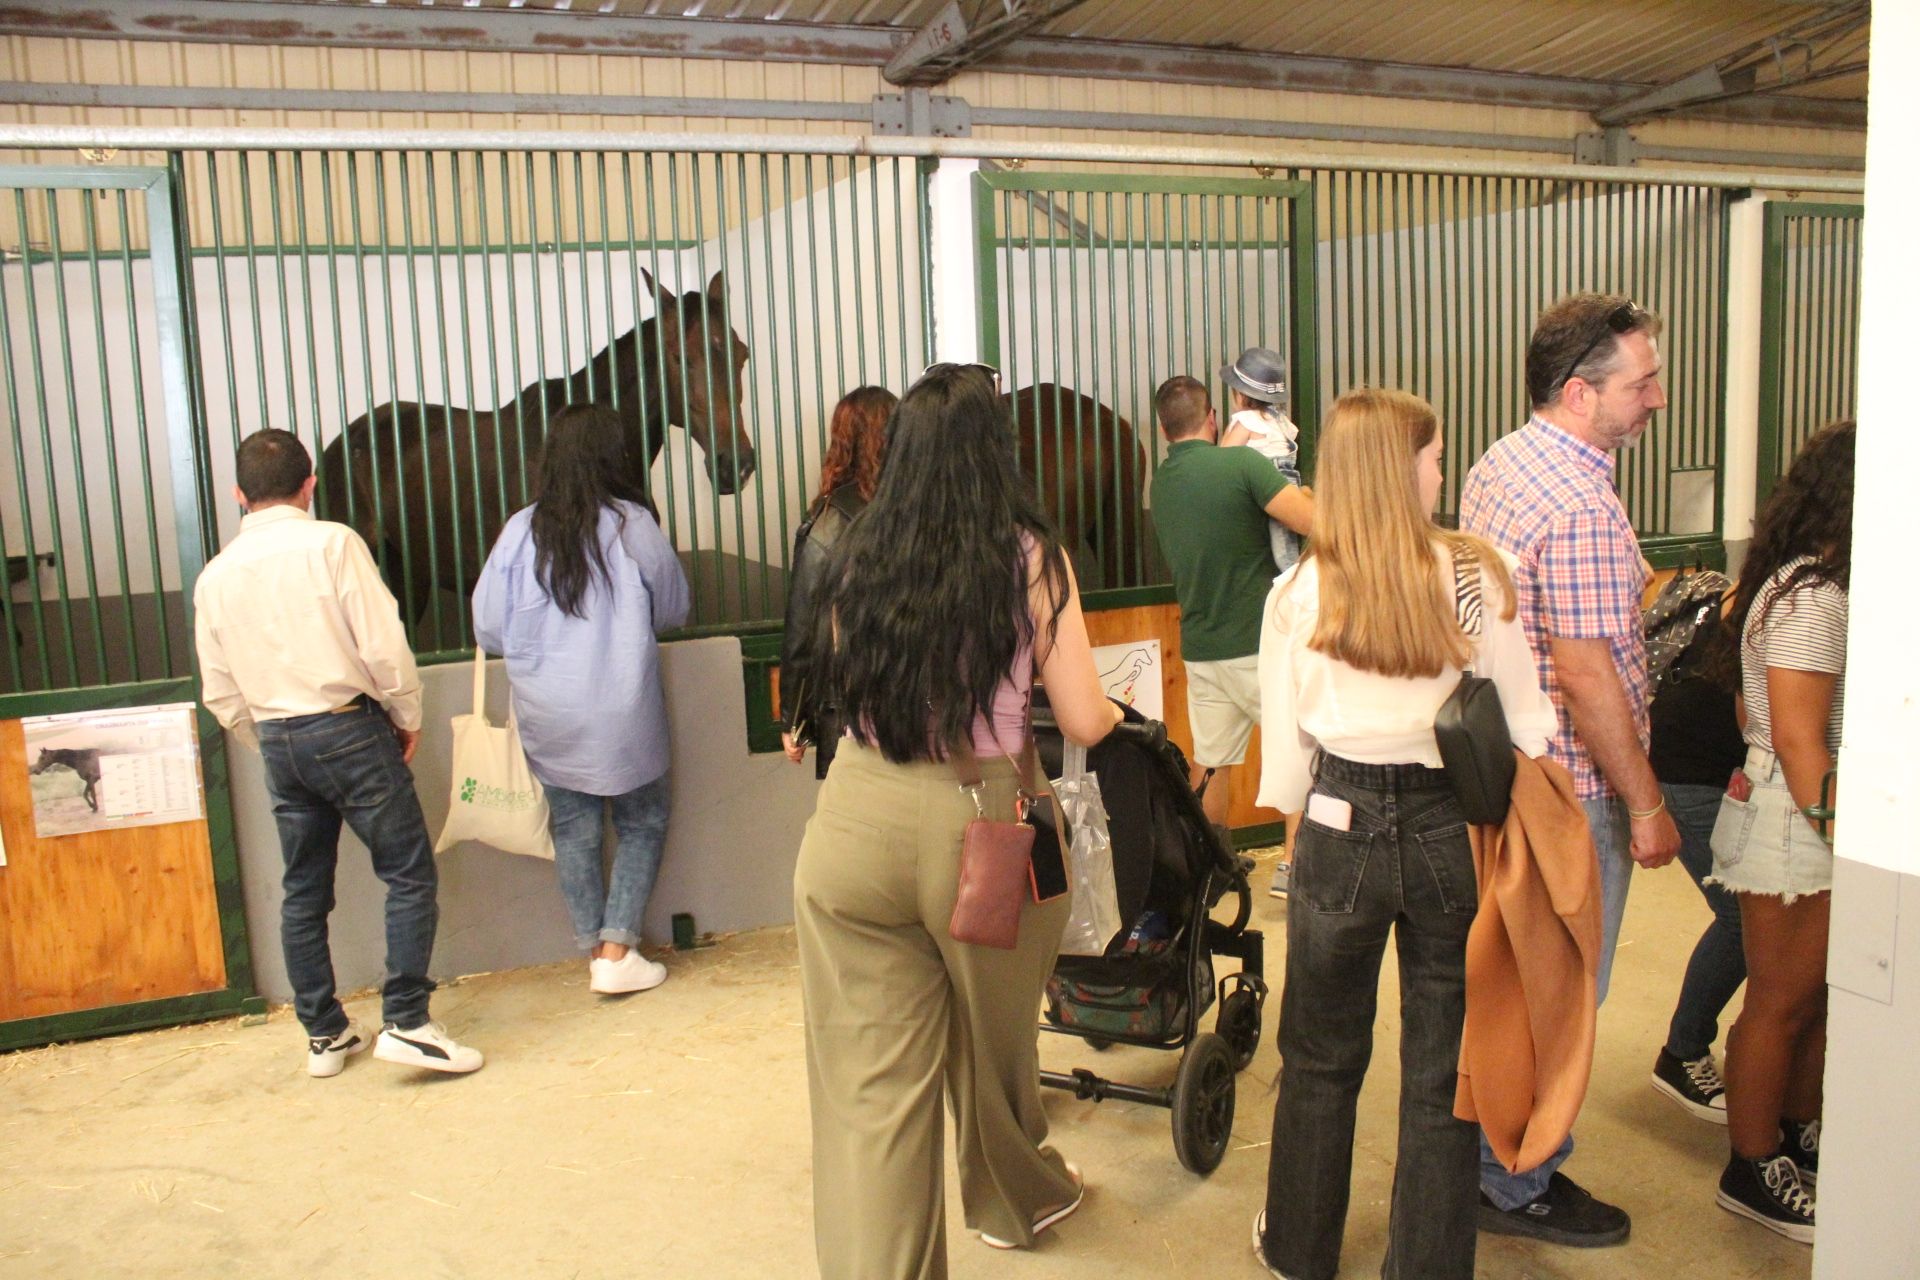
x: 302, y: 655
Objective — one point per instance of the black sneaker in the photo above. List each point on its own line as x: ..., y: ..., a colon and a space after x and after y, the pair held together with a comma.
x: 1769, y: 1192
x: 1694, y: 1085
x: 1800, y: 1143
x: 1564, y: 1214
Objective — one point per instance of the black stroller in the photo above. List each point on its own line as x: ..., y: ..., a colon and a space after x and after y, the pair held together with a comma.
x: 1156, y: 979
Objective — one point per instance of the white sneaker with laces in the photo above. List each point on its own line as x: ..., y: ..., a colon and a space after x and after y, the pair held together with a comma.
x: 327, y: 1055
x: 1260, y: 1248
x: 427, y: 1045
x: 631, y: 972
x: 1051, y: 1216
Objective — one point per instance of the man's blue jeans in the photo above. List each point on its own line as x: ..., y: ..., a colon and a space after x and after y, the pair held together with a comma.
x: 1612, y: 841
x: 1719, y: 962
x: 606, y: 907
x: 323, y: 769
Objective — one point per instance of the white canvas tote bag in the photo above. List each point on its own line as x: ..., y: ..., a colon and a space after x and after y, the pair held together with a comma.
x: 496, y: 799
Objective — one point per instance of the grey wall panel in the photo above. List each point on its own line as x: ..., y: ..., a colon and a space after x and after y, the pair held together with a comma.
x: 731, y: 842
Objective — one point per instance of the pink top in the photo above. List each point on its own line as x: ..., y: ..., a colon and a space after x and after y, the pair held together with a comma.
x: 1000, y: 734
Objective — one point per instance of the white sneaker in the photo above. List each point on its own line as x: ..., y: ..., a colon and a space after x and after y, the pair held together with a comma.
x: 631, y: 972
x: 427, y: 1045
x: 1051, y: 1216
x: 327, y: 1055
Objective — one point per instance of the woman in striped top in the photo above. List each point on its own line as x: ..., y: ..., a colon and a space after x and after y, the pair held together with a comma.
x: 1770, y: 847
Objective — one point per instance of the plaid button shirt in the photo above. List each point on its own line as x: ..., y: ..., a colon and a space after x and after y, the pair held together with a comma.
x: 1549, y: 499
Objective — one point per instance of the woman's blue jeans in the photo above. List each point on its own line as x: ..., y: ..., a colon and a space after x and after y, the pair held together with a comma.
x: 607, y: 906
x: 1719, y: 964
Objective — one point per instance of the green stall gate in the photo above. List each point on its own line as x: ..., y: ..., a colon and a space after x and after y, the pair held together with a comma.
x: 1809, y: 327
x: 102, y: 527
x: 430, y: 300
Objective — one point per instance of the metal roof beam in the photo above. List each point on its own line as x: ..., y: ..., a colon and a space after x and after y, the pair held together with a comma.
x: 951, y: 43
x: 1825, y: 47
x: 546, y: 31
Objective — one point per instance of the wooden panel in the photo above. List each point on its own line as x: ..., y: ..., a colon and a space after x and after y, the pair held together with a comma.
x: 104, y: 918
x: 1162, y: 622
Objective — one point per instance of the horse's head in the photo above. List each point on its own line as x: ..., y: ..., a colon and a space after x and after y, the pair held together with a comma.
x: 47, y: 760
x: 706, y: 365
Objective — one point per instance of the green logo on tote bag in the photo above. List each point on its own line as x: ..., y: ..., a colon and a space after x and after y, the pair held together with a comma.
x: 473, y: 793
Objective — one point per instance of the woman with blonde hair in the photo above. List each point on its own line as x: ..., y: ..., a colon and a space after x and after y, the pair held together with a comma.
x: 1362, y: 642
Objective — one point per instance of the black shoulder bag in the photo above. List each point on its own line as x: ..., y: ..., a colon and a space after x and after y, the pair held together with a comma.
x: 1471, y: 726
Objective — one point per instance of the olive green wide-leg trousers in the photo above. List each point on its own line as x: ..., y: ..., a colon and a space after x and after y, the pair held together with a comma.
x: 895, y: 1009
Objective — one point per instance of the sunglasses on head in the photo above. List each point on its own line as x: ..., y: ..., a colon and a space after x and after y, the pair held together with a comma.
x: 993, y: 374
x: 1623, y: 319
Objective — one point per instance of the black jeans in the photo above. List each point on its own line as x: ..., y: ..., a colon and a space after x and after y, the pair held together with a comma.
x: 1405, y: 866
x: 346, y: 765
x: 1719, y: 962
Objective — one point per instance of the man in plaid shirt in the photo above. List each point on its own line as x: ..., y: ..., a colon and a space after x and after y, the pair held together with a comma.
x: 1546, y: 494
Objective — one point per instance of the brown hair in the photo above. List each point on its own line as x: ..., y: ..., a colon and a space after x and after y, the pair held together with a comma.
x: 1385, y: 604
x: 1181, y: 404
x: 1580, y: 323
x: 858, y: 442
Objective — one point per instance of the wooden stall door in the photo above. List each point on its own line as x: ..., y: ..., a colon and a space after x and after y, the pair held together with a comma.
x: 1162, y: 622
x: 102, y: 918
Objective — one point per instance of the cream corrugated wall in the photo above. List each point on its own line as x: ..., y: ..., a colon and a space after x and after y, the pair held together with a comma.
x: 179, y: 65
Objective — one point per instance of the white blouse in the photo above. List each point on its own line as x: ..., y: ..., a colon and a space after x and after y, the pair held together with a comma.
x: 1309, y: 700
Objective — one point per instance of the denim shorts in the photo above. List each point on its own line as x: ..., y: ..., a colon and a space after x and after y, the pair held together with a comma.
x: 1764, y: 844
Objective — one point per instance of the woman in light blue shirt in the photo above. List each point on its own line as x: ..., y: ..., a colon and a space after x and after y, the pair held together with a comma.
x: 573, y: 595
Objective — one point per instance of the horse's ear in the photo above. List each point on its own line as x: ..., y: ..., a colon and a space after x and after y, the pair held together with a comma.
x: 717, y: 287
x: 666, y: 297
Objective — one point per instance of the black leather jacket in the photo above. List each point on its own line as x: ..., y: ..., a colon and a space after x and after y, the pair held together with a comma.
x: 813, y: 546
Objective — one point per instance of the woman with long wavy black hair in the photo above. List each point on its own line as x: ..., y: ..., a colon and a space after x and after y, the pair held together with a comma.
x: 945, y: 601
x: 576, y: 589
x: 1769, y: 847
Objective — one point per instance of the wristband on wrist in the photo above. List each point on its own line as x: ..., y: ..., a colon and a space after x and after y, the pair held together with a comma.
x: 1641, y: 815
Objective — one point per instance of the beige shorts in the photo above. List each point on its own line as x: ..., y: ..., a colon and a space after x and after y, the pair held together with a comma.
x: 1223, y: 705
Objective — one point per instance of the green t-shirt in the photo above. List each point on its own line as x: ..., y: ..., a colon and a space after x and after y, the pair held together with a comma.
x: 1209, y: 508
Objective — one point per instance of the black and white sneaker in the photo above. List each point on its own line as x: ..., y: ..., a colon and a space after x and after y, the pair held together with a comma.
x: 426, y: 1045
x: 1800, y: 1143
x: 1565, y: 1213
x: 1695, y: 1085
x: 1769, y: 1192
x: 327, y: 1055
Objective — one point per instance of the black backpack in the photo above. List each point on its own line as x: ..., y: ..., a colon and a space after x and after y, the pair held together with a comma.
x: 1669, y: 623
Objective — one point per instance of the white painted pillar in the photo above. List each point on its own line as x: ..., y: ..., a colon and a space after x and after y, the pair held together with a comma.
x: 1870, y: 1156
x: 1739, y: 464
x: 956, y: 307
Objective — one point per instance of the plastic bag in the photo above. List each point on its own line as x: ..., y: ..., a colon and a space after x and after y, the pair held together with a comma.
x: 1095, y: 915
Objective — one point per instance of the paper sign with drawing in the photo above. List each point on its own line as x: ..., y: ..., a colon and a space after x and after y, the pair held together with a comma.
x: 1132, y: 673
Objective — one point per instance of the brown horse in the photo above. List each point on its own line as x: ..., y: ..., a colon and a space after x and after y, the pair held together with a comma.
x: 428, y: 486
x: 1091, y: 473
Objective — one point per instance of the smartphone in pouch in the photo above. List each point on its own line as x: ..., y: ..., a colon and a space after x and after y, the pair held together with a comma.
x: 1047, y: 868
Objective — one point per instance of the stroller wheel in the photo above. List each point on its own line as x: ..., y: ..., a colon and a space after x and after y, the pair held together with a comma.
x: 1203, y: 1103
x: 1238, y: 1023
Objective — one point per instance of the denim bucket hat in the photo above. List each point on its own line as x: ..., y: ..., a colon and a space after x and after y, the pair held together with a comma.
x: 1259, y: 373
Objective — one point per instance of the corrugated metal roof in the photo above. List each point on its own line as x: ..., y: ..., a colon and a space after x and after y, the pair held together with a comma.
x: 1617, y: 41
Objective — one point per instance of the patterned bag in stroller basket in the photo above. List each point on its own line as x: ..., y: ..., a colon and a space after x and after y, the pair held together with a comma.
x: 1150, y: 1004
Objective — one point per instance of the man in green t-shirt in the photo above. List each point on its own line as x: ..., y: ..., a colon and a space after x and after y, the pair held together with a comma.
x: 1210, y: 508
